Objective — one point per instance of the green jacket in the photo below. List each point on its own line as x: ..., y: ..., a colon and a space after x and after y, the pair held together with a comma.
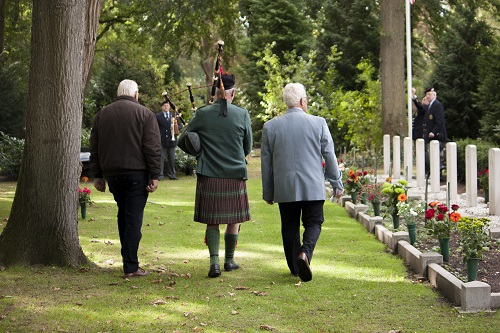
x: 225, y: 141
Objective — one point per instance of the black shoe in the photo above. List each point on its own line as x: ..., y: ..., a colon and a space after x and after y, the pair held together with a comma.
x: 173, y: 178
x: 214, y: 271
x: 305, y: 272
x: 230, y: 266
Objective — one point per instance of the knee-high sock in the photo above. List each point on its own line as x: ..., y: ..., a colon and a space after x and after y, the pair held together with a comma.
x: 230, y: 241
x: 213, y: 241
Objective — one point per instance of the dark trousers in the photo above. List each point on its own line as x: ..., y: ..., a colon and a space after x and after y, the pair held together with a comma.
x: 312, y: 219
x: 130, y: 194
x: 168, y: 154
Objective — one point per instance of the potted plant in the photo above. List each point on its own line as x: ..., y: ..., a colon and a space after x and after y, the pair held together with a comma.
x: 84, y: 200
x: 474, y: 241
x: 482, y: 177
x: 393, y: 194
x: 409, y: 210
x: 439, y: 223
x: 353, y: 185
x: 375, y: 196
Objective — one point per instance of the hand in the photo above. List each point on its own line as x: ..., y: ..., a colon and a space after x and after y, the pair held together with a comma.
x: 269, y: 202
x: 338, y: 193
x: 153, y: 185
x: 431, y: 135
x: 100, y: 184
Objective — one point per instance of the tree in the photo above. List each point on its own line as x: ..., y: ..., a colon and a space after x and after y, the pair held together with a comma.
x: 392, y: 68
x: 353, y: 27
x: 42, y: 227
x: 456, y: 77
x: 282, y: 22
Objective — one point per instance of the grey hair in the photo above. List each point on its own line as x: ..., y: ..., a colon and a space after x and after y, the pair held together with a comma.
x: 292, y: 93
x: 127, y: 88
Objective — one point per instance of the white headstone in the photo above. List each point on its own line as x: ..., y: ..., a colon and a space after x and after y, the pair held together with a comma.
x: 408, y: 158
x: 387, y: 154
x: 396, y: 157
x: 420, y: 153
x: 451, y: 169
x: 435, y: 163
x: 471, y: 175
x: 494, y: 180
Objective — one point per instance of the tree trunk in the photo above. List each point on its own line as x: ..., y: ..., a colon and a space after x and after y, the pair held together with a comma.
x: 392, y: 69
x: 43, y: 224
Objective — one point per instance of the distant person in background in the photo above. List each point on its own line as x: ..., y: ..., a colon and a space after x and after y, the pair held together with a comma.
x: 418, y: 120
x: 225, y: 133
x: 293, y: 148
x: 125, y: 150
x: 168, y: 141
x: 434, y: 124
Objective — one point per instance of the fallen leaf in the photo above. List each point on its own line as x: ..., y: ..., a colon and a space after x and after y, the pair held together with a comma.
x: 298, y: 283
x: 267, y: 328
x: 234, y: 312
x: 187, y: 313
x: 186, y: 261
x: 159, y: 302
x: 172, y: 297
x: 260, y: 293
x: 241, y: 288
x: 157, y: 281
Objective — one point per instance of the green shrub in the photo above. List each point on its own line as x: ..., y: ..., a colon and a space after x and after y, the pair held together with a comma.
x: 11, y: 154
x: 184, y: 162
x: 482, y: 155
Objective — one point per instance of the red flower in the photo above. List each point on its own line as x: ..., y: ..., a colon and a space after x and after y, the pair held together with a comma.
x: 455, y: 207
x: 429, y: 214
x: 442, y: 209
x: 440, y: 217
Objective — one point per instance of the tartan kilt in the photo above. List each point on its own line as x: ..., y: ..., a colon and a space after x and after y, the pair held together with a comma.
x: 221, y: 201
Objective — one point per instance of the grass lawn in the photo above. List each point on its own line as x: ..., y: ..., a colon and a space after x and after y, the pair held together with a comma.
x: 357, y: 286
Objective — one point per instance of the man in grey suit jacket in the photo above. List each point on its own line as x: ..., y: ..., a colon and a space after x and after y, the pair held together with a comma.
x: 293, y: 148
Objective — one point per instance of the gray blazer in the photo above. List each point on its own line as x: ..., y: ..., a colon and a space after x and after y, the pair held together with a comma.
x: 293, y: 146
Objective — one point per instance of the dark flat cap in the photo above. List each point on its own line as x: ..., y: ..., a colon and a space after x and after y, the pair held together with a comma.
x: 428, y: 90
x: 228, y: 80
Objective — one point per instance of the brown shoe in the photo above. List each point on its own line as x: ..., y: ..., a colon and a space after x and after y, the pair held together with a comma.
x: 305, y: 272
x: 140, y: 272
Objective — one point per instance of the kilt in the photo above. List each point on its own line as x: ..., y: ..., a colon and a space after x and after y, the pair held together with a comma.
x: 221, y: 201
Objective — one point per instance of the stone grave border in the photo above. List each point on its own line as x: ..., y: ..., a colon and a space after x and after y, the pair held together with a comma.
x: 472, y: 296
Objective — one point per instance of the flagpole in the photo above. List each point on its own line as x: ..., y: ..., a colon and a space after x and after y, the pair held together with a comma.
x: 408, y: 67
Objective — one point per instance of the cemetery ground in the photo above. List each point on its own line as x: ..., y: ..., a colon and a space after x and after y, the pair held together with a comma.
x: 357, y: 285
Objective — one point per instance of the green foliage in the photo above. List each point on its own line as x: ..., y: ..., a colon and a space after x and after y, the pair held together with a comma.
x: 184, y: 162
x: 13, y: 101
x: 353, y: 28
x: 460, y: 47
x: 11, y: 154
x: 474, y: 236
x: 85, y: 140
x: 392, y: 193
x: 488, y: 99
x: 360, y: 111
x: 283, y: 25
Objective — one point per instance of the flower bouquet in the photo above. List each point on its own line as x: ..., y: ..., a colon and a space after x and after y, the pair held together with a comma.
x: 474, y: 241
x: 353, y: 184
x: 375, y: 196
x: 410, y: 210
x: 394, y: 193
x: 84, y: 196
x: 439, y: 223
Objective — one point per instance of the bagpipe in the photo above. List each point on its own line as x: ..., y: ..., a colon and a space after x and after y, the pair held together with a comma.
x: 217, y: 83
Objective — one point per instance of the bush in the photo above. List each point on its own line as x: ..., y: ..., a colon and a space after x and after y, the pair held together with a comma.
x: 184, y: 162
x: 482, y: 155
x: 11, y: 154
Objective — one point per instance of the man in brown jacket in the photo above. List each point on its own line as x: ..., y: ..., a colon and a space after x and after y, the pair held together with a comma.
x: 125, y: 150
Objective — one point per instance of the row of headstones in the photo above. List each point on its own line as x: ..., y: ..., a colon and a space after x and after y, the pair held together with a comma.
x: 451, y: 168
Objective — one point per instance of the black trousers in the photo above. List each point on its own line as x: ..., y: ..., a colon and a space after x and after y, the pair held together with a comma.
x: 312, y: 219
x: 129, y: 192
